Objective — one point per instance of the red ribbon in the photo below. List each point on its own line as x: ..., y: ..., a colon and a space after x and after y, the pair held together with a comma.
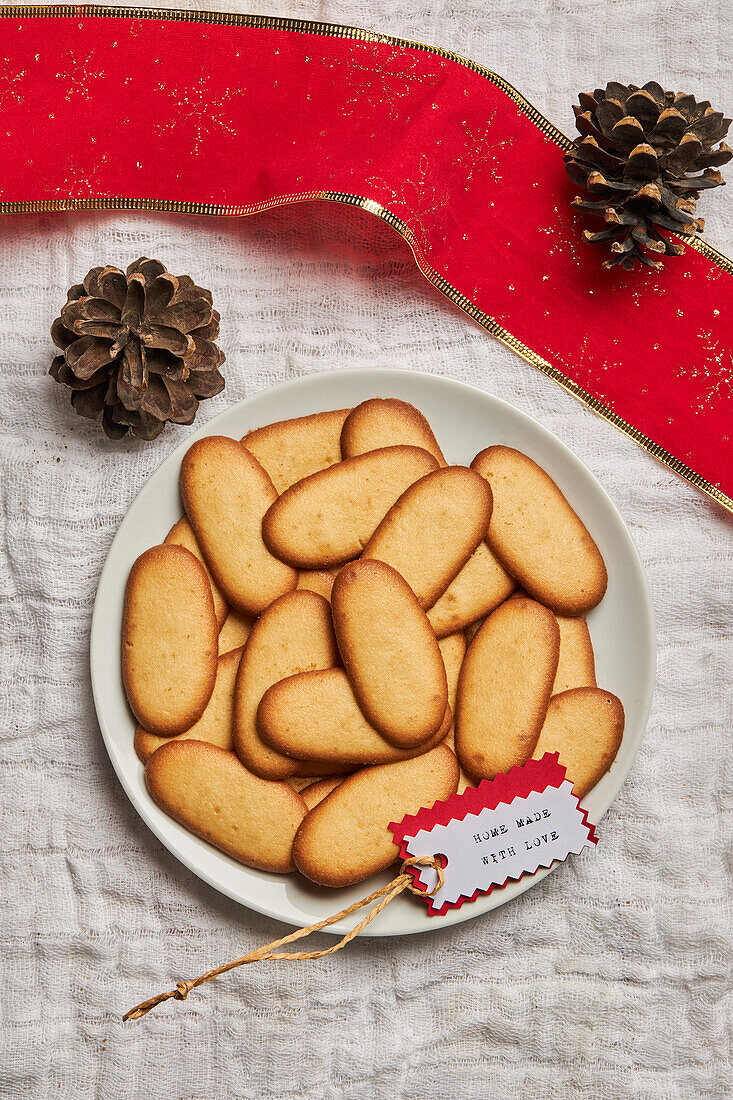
x: 214, y: 113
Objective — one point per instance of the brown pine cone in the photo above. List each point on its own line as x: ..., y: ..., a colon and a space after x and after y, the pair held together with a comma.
x: 645, y: 156
x: 138, y: 348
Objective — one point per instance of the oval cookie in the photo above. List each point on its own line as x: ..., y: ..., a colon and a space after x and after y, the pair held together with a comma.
x: 389, y: 651
x: 576, y: 666
x: 346, y: 838
x: 504, y: 688
x: 299, y: 783
x: 211, y: 793
x: 585, y: 726
x: 387, y: 422
x: 235, y: 631
x: 292, y: 449
x: 316, y: 792
x: 315, y: 717
x: 214, y: 725
x: 429, y: 534
x: 293, y: 635
x: 169, y: 640
x: 481, y: 585
x: 320, y: 581
x: 226, y: 493
x: 181, y: 534
x: 538, y: 537
x: 329, y: 517
x: 452, y: 650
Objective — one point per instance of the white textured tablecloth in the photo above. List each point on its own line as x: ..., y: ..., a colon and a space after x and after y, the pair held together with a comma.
x: 611, y: 979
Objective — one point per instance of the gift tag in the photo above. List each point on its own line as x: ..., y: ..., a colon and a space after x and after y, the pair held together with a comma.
x: 503, y: 829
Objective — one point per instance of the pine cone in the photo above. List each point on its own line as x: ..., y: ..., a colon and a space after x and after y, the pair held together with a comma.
x: 638, y: 156
x: 138, y: 348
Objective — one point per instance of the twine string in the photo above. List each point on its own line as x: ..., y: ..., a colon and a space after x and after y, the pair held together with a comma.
x: 268, y: 953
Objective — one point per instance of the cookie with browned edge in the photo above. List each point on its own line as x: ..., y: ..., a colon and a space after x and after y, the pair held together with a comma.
x: 387, y: 422
x: 169, y: 640
x: 214, y: 725
x: 181, y: 533
x: 211, y: 793
x: 576, y: 666
x: 389, y: 651
x: 430, y: 533
x: 235, y: 631
x: 538, y: 537
x: 585, y: 726
x: 314, y: 718
x: 504, y: 688
x: 294, y: 634
x: 481, y: 585
x: 328, y: 518
x: 226, y: 493
x: 346, y: 837
x: 290, y: 450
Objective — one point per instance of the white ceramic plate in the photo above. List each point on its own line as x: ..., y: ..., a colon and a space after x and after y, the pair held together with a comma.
x: 465, y: 420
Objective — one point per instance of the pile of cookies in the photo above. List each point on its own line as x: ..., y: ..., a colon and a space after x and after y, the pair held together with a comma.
x: 343, y: 629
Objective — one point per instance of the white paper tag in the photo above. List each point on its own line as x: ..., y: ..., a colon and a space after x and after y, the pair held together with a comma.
x: 501, y: 830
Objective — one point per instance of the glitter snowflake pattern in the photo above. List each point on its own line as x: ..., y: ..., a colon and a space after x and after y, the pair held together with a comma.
x: 592, y: 360
x: 197, y: 111
x: 11, y: 83
x: 78, y: 75
x: 717, y: 372
x: 416, y: 201
x: 565, y: 233
x: 376, y: 77
x: 78, y: 183
x: 481, y: 152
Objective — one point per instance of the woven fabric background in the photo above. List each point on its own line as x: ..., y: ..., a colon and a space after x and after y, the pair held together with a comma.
x: 610, y: 979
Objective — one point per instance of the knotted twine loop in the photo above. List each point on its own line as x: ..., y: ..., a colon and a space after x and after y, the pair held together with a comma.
x: 403, y: 881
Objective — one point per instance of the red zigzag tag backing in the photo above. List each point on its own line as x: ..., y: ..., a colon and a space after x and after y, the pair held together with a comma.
x: 500, y: 831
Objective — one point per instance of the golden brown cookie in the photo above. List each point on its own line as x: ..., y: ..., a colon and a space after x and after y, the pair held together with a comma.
x: 317, y: 580
x: 430, y: 533
x: 314, y: 716
x: 346, y: 838
x: 538, y: 537
x: 505, y: 686
x: 299, y: 782
x: 387, y: 422
x: 481, y: 585
x: 576, y: 666
x: 209, y: 791
x: 585, y: 726
x: 169, y: 640
x: 226, y: 493
x: 293, y: 635
x: 463, y: 781
x: 452, y: 650
x: 328, y: 518
x: 214, y: 725
x: 390, y: 652
x: 181, y: 534
x: 316, y: 792
x: 292, y: 449
x: 235, y: 631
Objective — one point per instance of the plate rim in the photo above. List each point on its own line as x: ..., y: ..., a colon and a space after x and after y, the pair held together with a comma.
x: 380, y: 377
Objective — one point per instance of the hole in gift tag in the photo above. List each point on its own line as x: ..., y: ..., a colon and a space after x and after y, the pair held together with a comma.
x: 430, y: 879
